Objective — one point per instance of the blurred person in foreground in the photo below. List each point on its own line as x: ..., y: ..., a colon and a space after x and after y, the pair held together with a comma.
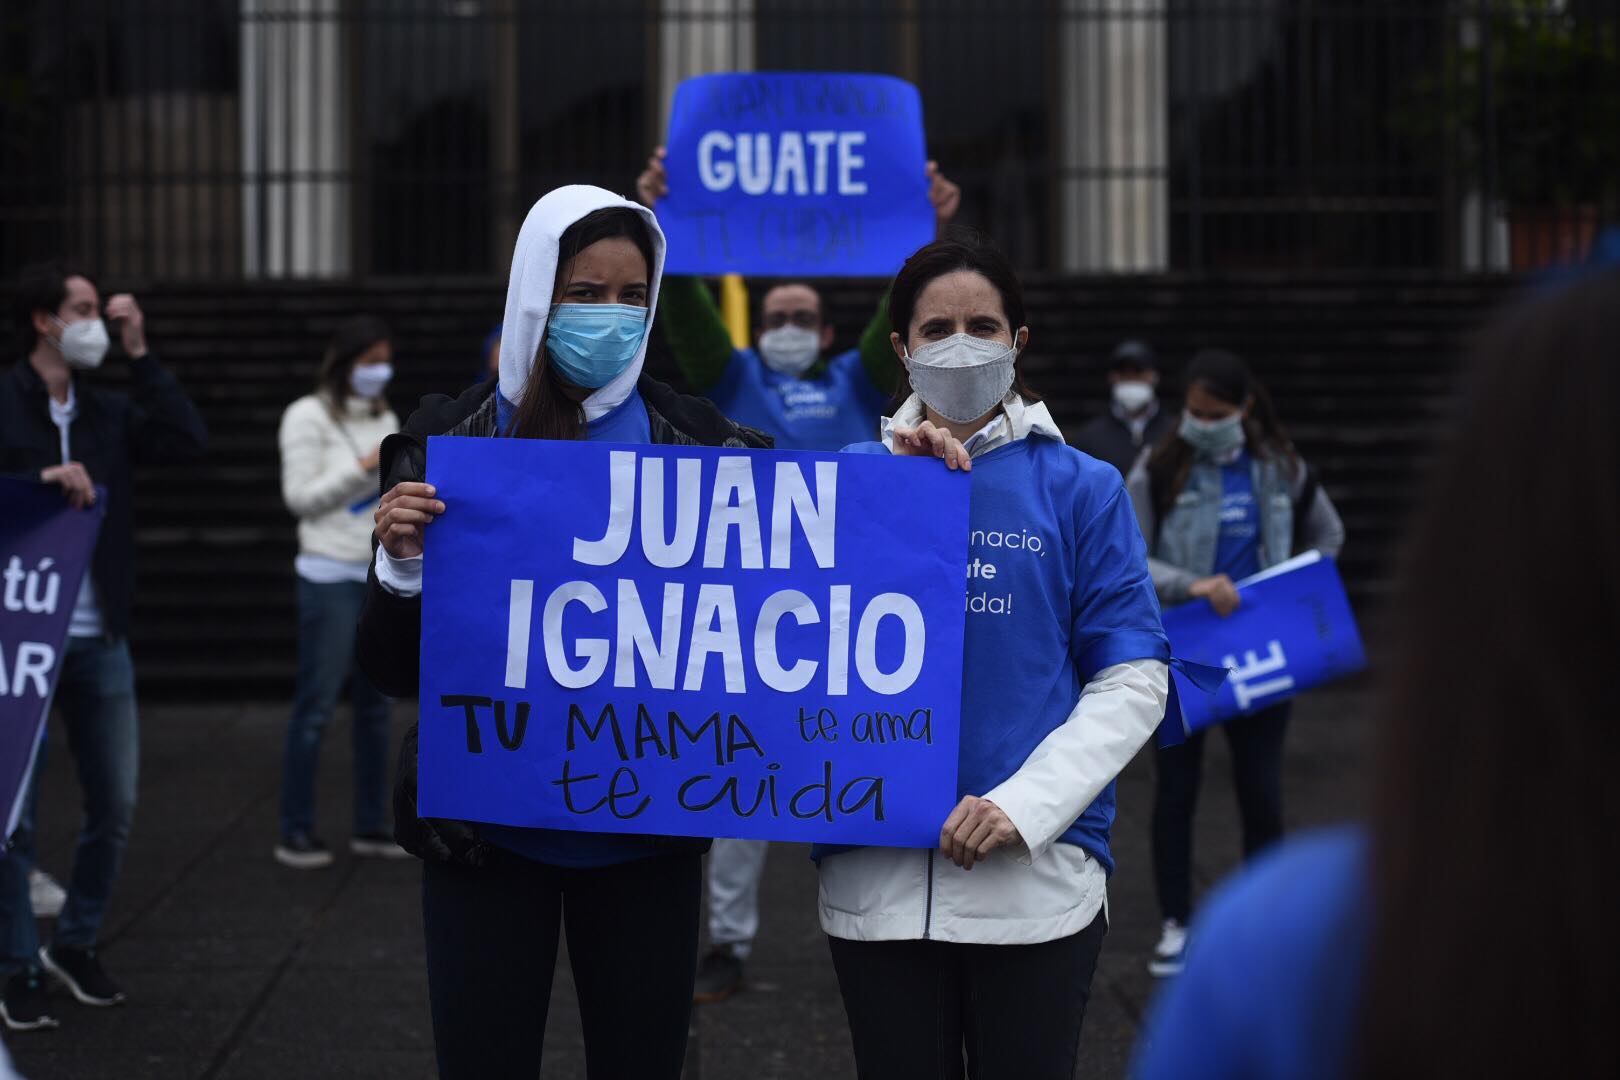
x: 1134, y: 419
x: 58, y: 426
x: 1468, y: 928
x: 330, y: 442
x: 1223, y: 496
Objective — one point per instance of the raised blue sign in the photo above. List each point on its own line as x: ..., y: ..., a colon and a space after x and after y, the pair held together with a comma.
x: 692, y: 641
x: 794, y: 174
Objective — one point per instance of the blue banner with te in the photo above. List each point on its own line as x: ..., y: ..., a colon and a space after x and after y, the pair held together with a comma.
x: 1294, y: 630
x: 692, y: 641
x: 795, y: 174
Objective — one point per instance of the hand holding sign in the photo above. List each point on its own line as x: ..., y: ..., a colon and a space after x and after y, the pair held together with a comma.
x: 403, y: 513
x: 784, y: 174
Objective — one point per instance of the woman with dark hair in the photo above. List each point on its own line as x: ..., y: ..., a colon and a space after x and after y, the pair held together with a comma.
x: 329, y: 445
x: 579, y: 304
x: 1368, y: 951
x: 1221, y: 497
x: 987, y: 944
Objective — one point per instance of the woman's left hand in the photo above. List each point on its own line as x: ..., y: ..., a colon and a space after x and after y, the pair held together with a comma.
x: 975, y: 828
x: 928, y: 439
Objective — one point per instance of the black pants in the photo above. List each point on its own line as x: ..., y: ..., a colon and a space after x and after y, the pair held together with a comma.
x: 1257, y: 753
x: 492, y: 947
x: 914, y: 1006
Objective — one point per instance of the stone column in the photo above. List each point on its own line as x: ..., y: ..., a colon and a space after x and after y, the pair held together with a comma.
x: 1113, y: 136
x: 294, y: 99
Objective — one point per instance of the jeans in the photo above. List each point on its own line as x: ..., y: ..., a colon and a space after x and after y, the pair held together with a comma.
x: 1017, y: 1010
x: 735, y: 867
x: 327, y: 614
x: 492, y: 948
x: 95, y: 696
x: 1257, y: 753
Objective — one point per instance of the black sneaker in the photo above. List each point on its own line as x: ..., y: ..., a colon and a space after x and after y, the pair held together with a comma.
x: 80, y: 971
x: 719, y: 975
x: 303, y: 852
x: 23, y: 1006
x: 376, y: 846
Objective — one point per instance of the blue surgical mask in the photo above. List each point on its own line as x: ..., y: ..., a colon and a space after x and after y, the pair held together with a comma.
x: 1212, y: 438
x: 592, y: 344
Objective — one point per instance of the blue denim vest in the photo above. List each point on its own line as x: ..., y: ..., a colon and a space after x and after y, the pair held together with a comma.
x: 1192, y: 527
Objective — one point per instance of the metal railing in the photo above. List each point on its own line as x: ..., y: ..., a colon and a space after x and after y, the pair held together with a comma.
x: 223, y: 139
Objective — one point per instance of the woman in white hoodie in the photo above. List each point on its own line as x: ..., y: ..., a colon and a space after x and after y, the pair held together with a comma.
x: 986, y: 944
x: 329, y: 448
x: 579, y: 304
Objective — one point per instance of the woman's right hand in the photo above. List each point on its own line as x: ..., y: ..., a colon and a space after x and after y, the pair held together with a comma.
x: 369, y: 462
x: 1219, y: 591
x: 401, y: 516
x: 929, y: 440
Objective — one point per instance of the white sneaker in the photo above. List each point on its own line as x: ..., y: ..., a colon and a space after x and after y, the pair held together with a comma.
x: 1169, y: 955
x: 45, y: 896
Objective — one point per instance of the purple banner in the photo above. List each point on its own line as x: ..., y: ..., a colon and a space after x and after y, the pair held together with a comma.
x: 45, y: 548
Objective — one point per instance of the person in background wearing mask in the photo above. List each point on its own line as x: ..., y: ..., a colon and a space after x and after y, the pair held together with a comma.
x: 987, y: 943
x: 1366, y: 952
x: 330, y: 441
x: 786, y: 387
x: 585, y: 279
x: 1220, y: 498
x: 1133, y: 419
x: 57, y: 426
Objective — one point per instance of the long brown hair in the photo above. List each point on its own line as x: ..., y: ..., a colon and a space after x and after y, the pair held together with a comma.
x: 545, y: 411
x: 1224, y: 376
x: 352, y: 337
x: 960, y: 248
x: 1496, y: 949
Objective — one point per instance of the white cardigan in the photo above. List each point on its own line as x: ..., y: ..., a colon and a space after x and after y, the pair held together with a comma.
x: 1041, y: 890
x: 321, y: 479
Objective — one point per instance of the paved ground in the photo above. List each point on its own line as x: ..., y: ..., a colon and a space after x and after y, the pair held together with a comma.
x: 238, y: 968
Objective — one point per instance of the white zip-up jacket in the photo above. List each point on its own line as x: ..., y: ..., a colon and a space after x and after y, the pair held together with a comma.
x: 1041, y: 890
x: 321, y: 478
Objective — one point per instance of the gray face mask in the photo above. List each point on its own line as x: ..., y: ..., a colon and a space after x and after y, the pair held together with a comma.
x: 1212, y: 438
x: 962, y: 377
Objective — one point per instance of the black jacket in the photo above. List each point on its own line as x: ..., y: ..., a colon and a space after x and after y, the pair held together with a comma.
x: 388, y: 642
x: 1107, y: 438
x: 155, y: 423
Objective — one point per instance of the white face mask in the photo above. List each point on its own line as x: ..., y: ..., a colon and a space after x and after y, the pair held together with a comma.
x: 83, y: 343
x: 962, y: 377
x: 789, y: 350
x: 369, y: 380
x: 1133, y: 396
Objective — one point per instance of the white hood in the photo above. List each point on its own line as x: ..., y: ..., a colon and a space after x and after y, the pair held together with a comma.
x: 534, y: 274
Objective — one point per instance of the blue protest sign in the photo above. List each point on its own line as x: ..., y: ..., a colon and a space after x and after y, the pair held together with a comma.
x: 45, y: 548
x: 1294, y: 630
x: 790, y: 174
x: 692, y: 641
